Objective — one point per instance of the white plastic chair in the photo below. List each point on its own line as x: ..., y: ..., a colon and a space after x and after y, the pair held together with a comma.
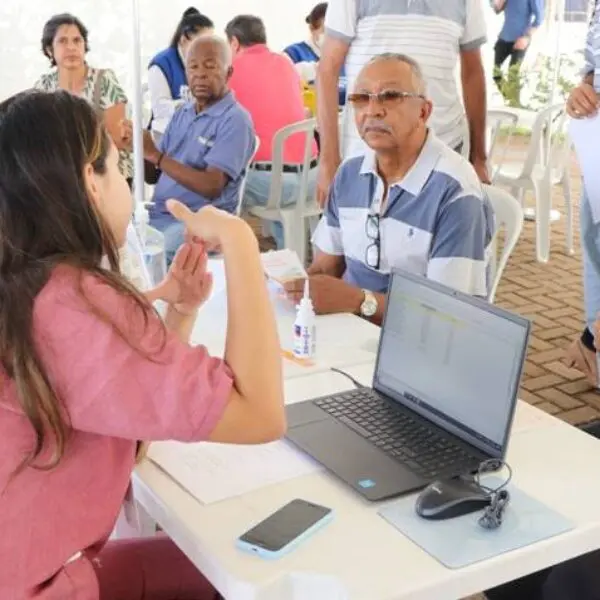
x: 239, y: 207
x: 293, y: 217
x: 545, y: 165
x: 499, y: 120
x: 509, y: 218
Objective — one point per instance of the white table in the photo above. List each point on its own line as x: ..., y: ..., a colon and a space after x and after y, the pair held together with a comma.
x: 342, y: 339
x: 359, y: 556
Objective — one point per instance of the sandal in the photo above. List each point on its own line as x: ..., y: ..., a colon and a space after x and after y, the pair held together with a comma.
x: 583, y: 359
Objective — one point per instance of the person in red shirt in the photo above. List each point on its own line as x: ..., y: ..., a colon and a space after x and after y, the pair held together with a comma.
x: 268, y: 86
x: 88, y: 368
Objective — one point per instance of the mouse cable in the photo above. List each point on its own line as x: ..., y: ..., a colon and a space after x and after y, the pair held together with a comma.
x: 493, y: 515
x: 356, y: 383
x: 499, y: 496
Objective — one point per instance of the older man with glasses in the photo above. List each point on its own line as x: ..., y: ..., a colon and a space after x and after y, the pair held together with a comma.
x: 410, y: 202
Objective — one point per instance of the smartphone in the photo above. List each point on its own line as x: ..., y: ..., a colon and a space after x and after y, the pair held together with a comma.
x: 281, y: 532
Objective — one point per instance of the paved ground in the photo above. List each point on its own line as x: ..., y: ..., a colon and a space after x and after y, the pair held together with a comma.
x: 552, y: 296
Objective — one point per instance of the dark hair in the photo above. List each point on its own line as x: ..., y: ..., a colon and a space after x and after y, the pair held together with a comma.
x: 192, y: 10
x: 192, y: 21
x: 52, y: 26
x: 317, y: 15
x: 47, y: 220
x: 248, y: 29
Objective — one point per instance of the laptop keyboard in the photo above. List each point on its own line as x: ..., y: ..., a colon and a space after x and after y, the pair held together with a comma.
x: 421, y: 448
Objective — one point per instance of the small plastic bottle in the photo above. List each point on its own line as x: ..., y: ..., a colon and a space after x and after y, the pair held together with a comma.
x: 305, y: 327
x: 153, y: 243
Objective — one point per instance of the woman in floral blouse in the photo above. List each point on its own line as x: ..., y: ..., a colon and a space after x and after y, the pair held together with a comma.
x: 65, y: 43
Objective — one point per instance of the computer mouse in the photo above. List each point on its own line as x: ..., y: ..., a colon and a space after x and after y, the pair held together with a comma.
x: 451, y: 498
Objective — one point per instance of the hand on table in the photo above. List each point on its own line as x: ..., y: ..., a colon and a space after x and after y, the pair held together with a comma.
x: 329, y: 294
x: 187, y: 284
x: 582, y: 101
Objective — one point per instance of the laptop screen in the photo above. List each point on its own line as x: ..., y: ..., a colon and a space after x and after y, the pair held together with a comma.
x: 454, y: 359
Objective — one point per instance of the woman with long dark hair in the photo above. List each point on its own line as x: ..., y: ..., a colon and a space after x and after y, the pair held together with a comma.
x: 167, y: 82
x: 88, y: 368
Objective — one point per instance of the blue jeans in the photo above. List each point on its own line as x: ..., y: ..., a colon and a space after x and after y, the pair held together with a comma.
x: 590, y: 243
x: 174, y: 234
x: 258, y: 184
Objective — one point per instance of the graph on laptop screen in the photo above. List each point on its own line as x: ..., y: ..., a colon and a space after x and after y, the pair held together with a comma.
x: 454, y: 362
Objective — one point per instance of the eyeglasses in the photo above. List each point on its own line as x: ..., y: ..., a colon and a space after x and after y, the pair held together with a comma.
x: 387, y: 98
x: 373, y: 251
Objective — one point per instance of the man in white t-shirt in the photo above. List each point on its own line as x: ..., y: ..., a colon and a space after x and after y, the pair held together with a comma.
x: 438, y: 34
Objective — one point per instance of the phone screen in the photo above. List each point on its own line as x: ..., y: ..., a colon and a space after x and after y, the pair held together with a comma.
x: 285, y: 525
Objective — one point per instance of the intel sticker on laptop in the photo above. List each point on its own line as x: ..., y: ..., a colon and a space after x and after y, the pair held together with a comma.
x: 366, y: 484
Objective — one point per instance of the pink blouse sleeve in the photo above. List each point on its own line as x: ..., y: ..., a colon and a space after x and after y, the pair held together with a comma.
x: 125, y: 379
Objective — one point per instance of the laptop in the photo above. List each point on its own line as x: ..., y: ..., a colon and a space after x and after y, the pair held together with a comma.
x: 442, y: 400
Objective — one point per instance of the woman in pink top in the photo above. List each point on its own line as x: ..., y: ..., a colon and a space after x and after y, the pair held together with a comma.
x: 88, y: 368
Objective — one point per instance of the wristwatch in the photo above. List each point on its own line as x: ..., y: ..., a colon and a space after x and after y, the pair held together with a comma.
x: 369, y: 305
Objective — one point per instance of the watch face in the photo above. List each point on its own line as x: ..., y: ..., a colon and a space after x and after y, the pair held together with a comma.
x: 369, y: 306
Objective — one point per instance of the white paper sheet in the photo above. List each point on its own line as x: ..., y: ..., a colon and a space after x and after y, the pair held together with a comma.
x: 214, y: 472
x: 283, y: 265
x: 585, y: 134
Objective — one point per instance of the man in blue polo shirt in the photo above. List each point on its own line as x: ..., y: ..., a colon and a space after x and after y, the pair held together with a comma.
x: 521, y: 19
x: 410, y: 202
x: 205, y: 150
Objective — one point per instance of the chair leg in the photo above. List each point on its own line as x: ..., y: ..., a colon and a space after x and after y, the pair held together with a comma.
x: 301, y: 227
x: 292, y: 238
x: 542, y: 191
x: 566, y: 185
x: 518, y: 193
x: 266, y: 228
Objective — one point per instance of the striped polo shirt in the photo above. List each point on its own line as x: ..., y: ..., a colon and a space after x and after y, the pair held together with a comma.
x: 432, y: 32
x: 436, y: 222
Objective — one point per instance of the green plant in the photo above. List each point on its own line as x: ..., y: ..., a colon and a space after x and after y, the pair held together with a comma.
x: 531, y: 86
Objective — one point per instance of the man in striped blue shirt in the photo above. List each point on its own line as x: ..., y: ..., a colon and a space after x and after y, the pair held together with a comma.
x: 410, y: 202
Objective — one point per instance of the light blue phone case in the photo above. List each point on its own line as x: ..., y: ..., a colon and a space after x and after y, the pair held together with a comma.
x: 269, y: 555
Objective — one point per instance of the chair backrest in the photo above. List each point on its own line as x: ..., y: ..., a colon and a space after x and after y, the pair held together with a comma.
x: 549, y: 145
x: 499, y: 120
x: 509, y: 217
x: 308, y: 128
x: 239, y: 207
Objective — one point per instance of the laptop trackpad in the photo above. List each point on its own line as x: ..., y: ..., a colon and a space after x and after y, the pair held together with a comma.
x: 354, y: 459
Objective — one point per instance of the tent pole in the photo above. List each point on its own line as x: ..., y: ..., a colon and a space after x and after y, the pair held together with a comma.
x: 137, y: 105
x: 559, y: 11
